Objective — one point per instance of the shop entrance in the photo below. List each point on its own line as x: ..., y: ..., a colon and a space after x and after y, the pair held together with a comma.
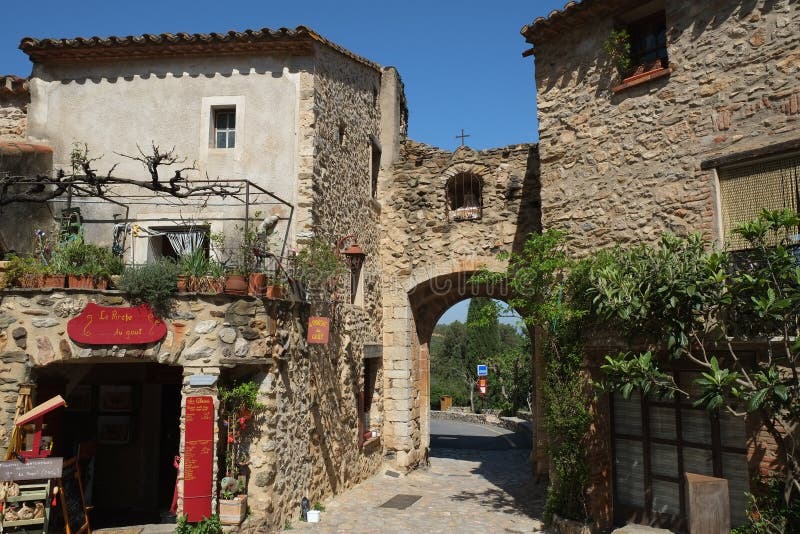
x: 123, y: 419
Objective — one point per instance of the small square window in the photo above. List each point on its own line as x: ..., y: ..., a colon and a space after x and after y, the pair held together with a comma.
x: 224, y: 128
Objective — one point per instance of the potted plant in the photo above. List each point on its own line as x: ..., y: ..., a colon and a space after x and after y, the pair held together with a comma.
x: 317, y: 267
x: 618, y: 48
x: 193, y: 267
x: 45, y: 246
x: 238, y: 405
x: 236, y: 282
x: 214, y: 281
x: 153, y: 283
x: 24, y: 271
x: 275, y: 287
x: 87, y: 266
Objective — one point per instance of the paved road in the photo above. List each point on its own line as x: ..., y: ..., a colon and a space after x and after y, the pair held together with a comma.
x: 459, y: 435
x: 465, y: 490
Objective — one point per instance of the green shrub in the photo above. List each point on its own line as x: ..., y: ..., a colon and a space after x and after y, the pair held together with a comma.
x: 209, y: 525
x: 768, y: 512
x: 77, y: 258
x: 21, y: 267
x: 153, y: 283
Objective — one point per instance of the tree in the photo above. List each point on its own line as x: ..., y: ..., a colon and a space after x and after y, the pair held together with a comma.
x: 483, y: 340
x: 84, y: 180
x: 448, y: 356
x: 683, y: 298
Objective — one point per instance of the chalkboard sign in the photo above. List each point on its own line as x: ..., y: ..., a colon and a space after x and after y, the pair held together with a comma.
x: 32, y: 469
x: 73, y: 507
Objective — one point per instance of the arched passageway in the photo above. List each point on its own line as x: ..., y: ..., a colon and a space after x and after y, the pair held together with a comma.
x: 428, y: 296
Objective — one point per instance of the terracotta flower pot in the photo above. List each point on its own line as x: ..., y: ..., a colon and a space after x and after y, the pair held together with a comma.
x: 235, y: 284
x: 275, y: 292
x: 256, y: 283
x: 80, y: 282
x: 31, y: 281
x: 54, y: 280
x: 100, y: 283
x: 183, y: 283
x: 209, y: 284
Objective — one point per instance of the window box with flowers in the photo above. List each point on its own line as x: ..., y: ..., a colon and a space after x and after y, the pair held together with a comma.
x: 639, y: 51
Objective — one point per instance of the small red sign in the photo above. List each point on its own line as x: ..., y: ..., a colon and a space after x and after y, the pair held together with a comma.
x: 108, y: 325
x: 482, y: 382
x: 318, y: 330
x: 198, y: 457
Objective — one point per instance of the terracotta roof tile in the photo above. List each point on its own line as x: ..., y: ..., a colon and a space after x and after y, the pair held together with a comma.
x: 558, y: 19
x: 116, y: 47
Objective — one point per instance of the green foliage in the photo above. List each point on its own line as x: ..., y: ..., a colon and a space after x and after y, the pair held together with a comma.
x: 209, y: 525
x: 769, y: 513
x: 238, y: 404
x: 317, y: 263
x: 686, y: 299
x: 77, y: 258
x: 196, y: 263
x: 234, y: 399
x: 153, y: 283
x: 549, y: 292
x: 618, y: 48
x: 21, y: 267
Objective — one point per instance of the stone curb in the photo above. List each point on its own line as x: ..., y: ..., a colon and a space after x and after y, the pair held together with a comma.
x: 515, y: 424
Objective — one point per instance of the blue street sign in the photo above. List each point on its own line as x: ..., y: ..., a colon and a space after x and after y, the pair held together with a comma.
x: 483, y: 370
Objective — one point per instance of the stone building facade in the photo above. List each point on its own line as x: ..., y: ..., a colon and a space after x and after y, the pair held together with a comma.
x: 627, y: 157
x: 433, y: 239
x: 14, y: 100
x: 314, y: 124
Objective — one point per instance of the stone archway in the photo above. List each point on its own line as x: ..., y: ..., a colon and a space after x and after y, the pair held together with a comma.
x: 427, y: 293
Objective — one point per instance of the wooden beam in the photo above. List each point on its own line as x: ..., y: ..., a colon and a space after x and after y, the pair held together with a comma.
x: 762, y: 152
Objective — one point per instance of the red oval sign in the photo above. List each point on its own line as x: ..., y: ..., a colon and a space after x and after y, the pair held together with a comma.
x: 107, y: 325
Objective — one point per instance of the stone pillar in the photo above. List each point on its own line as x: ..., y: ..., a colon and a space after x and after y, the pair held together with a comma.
x: 398, y: 379
x: 707, y: 504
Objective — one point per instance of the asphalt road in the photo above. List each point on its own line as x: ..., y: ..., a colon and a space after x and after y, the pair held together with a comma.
x: 460, y: 435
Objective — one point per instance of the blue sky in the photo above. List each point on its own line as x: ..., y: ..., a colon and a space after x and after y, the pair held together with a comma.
x: 460, y: 60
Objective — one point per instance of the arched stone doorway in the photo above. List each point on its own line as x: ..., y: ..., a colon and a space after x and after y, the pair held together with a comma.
x: 428, y: 293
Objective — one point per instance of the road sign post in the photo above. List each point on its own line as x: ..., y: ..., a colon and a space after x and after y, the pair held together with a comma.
x: 483, y: 370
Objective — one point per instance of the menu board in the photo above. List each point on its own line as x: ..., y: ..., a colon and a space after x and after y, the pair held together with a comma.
x: 198, y: 456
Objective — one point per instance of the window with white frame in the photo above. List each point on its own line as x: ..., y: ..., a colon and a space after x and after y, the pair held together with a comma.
x: 224, y: 128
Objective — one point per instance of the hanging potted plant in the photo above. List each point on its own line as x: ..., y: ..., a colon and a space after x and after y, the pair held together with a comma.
x: 238, y: 405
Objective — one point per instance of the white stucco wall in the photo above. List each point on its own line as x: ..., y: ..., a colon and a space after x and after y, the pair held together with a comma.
x: 115, y: 106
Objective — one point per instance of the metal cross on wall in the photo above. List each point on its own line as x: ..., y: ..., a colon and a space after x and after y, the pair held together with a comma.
x: 462, y: 136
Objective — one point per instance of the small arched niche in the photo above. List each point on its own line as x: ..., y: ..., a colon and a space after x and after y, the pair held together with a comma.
x: 464, y: 197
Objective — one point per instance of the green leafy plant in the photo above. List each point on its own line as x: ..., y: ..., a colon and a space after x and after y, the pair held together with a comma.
x: 21, y: 270
x: 209, y: 525
x: 685, y: 299
x: 549, y: 291
x: 153, y: 283
x: 238, y: 405
x: 618, y: 48
x: 77, y: 258
x: 768, y: 512
x: 317, y: 264
x: 318, y: 506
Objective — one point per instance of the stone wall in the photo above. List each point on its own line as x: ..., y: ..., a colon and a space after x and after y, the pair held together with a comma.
x: 14, y: 100
x: 427, y: 259
x: 625, y: 167
x: 305, y: 442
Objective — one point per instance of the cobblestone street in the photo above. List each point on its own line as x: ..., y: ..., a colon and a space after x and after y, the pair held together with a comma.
x: 462, y: 491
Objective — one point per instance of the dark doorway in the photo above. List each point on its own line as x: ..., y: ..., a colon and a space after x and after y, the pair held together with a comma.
x: 127, y: 416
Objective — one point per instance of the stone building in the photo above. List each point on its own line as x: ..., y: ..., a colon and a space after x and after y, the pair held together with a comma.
x: 445, y: 215
x: 698, y: 134
x: 283, y: 111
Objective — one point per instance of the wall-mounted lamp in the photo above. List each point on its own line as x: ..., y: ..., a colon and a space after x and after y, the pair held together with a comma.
x: 353, y: 254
